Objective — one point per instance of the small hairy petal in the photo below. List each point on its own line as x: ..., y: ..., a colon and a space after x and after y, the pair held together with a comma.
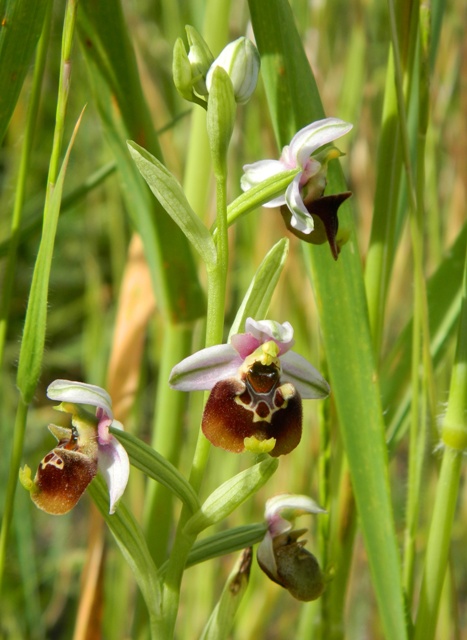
x: 303, y: 375
x: 201, y: 371
x: 80, y: 393
x: 115, y: 467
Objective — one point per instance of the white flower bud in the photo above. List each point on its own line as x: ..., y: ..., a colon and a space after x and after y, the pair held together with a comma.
x: 241, y: 61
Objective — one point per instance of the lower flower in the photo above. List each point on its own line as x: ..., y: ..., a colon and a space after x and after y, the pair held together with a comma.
x: 65, y: 472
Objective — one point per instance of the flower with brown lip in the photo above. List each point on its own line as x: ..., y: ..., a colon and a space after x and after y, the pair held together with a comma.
x: 257, y: 384
x: 65, y: 472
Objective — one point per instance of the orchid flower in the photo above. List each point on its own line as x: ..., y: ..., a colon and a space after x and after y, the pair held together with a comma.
x: 66, y: 471
x: 306, y: 206
x: 256, y: 385
x: 281, y: 555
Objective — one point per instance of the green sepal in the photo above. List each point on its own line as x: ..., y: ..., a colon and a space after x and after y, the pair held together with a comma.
x: 155, y: 466
x: 172, y: 198
x: 226, y: 498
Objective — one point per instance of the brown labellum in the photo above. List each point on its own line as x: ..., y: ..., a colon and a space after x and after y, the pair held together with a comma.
x: 65, y: 472
x: 234, y: 412
x: 61, y: 479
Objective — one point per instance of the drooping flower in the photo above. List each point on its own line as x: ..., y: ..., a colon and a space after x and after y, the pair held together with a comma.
x: 256, y: 385
x: 282, y: 556
x: 66, y: 471
x: 303, y: 205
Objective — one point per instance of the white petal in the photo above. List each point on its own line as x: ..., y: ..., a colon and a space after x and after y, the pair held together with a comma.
x: 301, y: 219
x: 259, y: 171
x: 289, y: 506
x: 80, y: 393
x: 305, y: 378
x: 315, y: 135
x: 201, y: 371
x: 115, y: 467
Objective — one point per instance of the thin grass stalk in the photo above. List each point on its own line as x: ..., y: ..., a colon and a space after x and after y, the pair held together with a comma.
x: 454, y: 440
x: 217, y: 276
x: 420, y: 333
x: 166, y: 440
x: 28, y: 375
x: 25, y: 163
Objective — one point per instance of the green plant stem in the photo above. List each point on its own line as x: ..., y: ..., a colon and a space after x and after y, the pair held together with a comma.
x: 214, y: 333
x: 15, y: 461
x: 63, y: 90
x: 167, y: 439
x: 23, y: 174
x: 454, y: 437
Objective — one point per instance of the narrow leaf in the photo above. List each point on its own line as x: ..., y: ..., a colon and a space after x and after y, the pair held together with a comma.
x: 155, y: 466
x: 171, y: 197
x: 32, y: 344
x: 226, y: 498
x: 256, y: 302
x: 20, y: 29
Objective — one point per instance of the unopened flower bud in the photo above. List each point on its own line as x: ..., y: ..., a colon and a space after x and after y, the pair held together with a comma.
x: 200, y: 58
x: 241, y: 61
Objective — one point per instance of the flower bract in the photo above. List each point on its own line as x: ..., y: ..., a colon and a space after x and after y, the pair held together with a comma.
x: 66, y: 471
x: 257, y: 384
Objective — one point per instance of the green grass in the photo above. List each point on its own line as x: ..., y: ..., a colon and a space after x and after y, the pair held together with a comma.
x: 105, y: 282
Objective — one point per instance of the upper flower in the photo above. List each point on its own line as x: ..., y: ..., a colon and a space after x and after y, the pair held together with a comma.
x: 308, y: 185
x: 256, y: 385
x: 281, y: 555
x: 65, y: 472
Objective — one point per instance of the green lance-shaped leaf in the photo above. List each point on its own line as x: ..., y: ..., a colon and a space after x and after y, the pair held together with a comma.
x: 170, y: 195
x: 226, y: 498
x: 20, y: 28
x: 294, y: 102
x: 256, y: 302
x: 155, y: 466
x: 221, y: 620
x: 130, y: 539
x: 32, y: 344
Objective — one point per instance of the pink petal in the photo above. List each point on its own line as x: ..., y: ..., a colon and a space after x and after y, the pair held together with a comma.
x: 115, y: 467
x: 259, y: 171
x: 201, y: 371
x: 301, y: 219
x: 305, y: 378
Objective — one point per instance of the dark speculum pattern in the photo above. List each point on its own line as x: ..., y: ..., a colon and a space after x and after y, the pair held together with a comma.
x: 237, y: 410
